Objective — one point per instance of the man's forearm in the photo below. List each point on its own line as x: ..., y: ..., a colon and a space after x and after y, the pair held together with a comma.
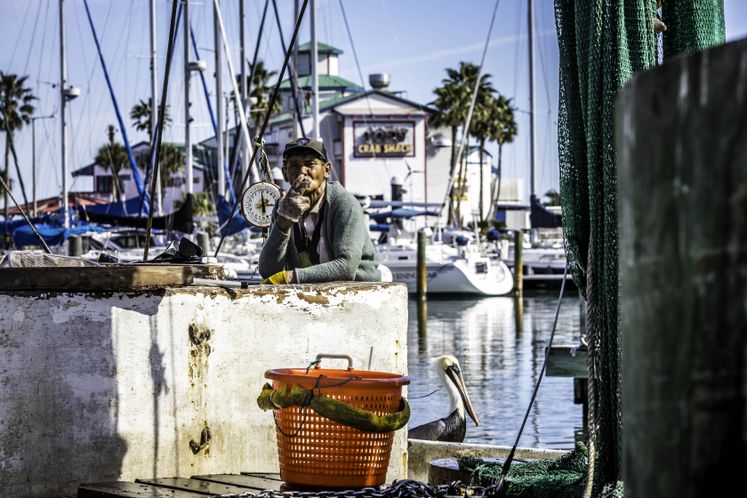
x: 284, y: 224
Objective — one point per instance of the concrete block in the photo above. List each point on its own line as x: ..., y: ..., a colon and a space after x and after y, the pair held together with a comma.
x: 115, y: 386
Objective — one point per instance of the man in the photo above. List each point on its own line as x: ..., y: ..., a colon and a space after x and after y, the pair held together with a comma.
x: 318, y: 232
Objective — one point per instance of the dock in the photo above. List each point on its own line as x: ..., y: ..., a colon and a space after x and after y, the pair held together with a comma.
x: 244, y: 484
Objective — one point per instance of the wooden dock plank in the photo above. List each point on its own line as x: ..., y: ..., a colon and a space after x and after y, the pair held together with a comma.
x: 244, y: 481
x: 193, y: 485
x: 131, y: 490
x: 272, y: 476
x: 99, y: 279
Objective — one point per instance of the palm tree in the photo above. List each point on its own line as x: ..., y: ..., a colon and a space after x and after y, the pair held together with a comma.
x: 480, y: 129
x: 453, y: 99
x: 261, y: 91
x: 141, y: 115
x: 170, y: 160
x: 113, y: 156
x: 16, y: 110
x: 502, y: 131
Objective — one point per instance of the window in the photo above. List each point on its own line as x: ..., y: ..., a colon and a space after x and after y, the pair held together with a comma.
x: 104, y: 184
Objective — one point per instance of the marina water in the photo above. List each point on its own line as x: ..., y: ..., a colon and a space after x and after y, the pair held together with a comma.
x: 501, y: 357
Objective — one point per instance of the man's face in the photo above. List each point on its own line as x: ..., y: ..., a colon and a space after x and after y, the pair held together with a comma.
x: 306, y: 164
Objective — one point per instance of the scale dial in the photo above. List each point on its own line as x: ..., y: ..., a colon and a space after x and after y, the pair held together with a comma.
x: 257, y: 202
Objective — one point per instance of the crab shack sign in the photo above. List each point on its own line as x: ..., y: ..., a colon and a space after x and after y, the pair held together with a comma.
x: 384, y: 138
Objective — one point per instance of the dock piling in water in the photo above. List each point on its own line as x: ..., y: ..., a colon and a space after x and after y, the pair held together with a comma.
x: 422, y: 276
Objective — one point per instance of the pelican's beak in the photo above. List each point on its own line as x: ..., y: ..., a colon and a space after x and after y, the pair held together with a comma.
x: 456, y: 377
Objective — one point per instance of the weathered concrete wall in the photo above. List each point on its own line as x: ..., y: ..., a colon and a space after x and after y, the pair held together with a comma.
x: 114, y: 387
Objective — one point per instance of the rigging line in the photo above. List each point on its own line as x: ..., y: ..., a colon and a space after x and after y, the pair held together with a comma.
x: 238, y: 138
x: 159, y: 128
x: 154, y: 151
x: 291, y: 70
x: 256, y: 50
x: 99, y: 98
x: 43, y: 43
x: 236, y: 96
x: 544, y: 67
x: 355, y: 52
x: 465, y: 129
x: 268, y: 112
x: 135, y: 171
x: 31, y: 45
x: 519, y: 45
x: 86, y: 101
x: 360, y: 75
x: 496, y: 488
x: 213, y: 121
x: 12, y: 147
x: 25, y: 216
x: 18, y: 39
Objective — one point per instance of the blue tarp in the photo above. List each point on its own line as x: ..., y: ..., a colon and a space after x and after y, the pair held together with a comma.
x: 382, y: 216
x: 52, y: 235
x: 237, y: 224
x: 130, y: 207
x: 54, y: 218
x: 379, y: 227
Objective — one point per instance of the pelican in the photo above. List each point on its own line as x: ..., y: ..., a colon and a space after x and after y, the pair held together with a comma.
x: 452, y: 427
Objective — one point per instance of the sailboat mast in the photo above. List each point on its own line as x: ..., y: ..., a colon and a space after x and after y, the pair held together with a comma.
x: 63, y: 124
x: 530, y: 36
x: 219, y: 103
x: 154, y: 91
x: 153, y: 72
x: 314, y: 75
x: 187, y: 104
x: 296, y: 107
x: 244, y: 96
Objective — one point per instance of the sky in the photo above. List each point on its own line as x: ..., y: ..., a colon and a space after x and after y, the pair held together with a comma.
x: 412, y: 40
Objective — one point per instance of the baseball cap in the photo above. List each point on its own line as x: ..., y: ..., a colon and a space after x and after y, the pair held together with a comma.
x: 305, y: 144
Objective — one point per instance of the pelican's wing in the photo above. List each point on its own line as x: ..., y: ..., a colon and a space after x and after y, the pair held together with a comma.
x: 432, y: 431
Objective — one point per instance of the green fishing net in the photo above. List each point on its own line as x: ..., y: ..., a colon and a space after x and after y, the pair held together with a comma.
x: 602, y: 44
x: 562, y: 478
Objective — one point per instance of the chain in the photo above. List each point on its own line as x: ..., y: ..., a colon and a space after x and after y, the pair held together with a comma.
x: 263, y: 163
x: 399, y: 489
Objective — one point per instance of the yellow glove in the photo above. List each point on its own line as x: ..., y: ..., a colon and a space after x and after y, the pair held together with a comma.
x: 276, y: 279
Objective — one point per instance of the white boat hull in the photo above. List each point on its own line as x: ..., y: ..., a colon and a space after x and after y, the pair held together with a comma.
x: 449, y: 274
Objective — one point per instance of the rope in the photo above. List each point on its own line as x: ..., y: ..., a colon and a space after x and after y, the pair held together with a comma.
x: 465, y: 129
x: 33, y: 228
x: 135, y: 170
x: 501, y: 486
x: 291, y: 70
x: 159, y: 129
x: 267, y: 114
x: 307, y: 400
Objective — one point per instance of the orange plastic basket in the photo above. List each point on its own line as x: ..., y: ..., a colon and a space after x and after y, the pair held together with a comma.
x: 316, y: 451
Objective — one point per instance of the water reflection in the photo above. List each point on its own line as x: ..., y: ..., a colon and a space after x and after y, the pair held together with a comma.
x: 500, y: 347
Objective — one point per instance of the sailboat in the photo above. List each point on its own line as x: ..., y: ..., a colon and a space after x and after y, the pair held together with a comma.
x: 543, y: 259
x: 450, y: 269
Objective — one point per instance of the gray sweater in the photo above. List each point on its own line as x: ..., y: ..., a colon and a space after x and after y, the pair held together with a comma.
x: 351, y: 252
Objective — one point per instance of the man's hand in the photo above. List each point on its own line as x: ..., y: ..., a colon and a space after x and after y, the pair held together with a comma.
x: 281, y: 277
x: 295, y: 204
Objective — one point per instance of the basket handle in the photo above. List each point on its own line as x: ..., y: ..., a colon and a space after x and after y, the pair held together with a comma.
x: 335, y: 357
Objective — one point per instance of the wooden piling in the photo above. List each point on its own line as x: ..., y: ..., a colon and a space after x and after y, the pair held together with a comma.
x: 203, y: 240
x: 682, y: 170
x: 75, y: 246
x: 422, y: 274
x: 518, y: 262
